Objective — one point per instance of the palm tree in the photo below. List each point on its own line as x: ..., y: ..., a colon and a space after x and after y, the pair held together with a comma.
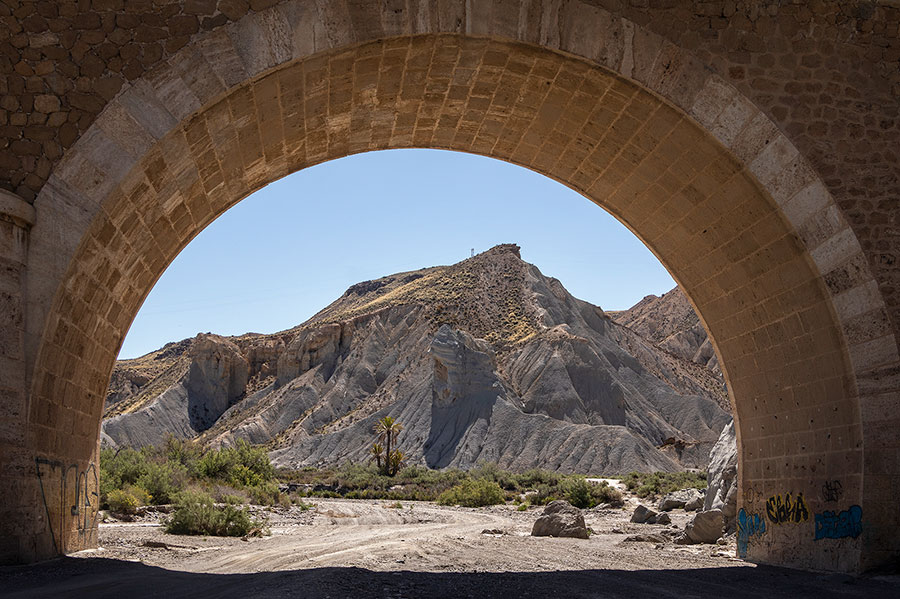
x: 376, y: 450
x: 396, y: 460
x: 387, y: 429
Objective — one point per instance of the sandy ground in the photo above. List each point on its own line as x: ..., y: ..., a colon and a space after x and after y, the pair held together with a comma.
x: 357, y: 548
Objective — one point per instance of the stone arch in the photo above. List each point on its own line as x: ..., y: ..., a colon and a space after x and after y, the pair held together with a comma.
x: 628, y: 119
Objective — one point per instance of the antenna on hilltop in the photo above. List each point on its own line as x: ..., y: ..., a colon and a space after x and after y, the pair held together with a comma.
x: 473, y: 253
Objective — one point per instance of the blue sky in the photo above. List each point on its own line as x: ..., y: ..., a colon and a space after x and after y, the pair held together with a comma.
x: 293, y: 247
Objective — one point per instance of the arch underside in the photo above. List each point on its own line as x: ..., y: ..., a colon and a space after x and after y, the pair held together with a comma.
x: 699, y: 207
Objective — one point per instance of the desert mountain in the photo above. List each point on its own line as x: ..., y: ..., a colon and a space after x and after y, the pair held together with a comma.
x: 487, y: 359
x: 671, y: 324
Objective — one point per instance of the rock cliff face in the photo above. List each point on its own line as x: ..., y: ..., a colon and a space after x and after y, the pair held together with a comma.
x: 487, y: 359
x: 670, y: 323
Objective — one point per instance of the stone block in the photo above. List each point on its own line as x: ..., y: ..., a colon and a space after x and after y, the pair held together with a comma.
x: 876, y: 352
x: 839, y: 248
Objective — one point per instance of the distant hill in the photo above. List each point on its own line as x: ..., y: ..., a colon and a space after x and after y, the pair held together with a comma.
x: 487, y: 359
x: 670, y: 322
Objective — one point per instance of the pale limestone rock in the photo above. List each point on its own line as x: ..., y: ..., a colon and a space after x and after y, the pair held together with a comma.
x: 560, y: 519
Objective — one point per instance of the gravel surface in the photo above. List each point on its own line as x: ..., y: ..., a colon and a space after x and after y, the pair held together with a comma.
x: 358, y: 548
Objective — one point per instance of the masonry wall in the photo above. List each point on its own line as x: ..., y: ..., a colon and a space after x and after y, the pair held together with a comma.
x: 812, y: 355
x: 825, y: 72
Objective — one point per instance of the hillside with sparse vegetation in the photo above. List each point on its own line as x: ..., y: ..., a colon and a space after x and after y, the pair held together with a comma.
x: 487, y: 360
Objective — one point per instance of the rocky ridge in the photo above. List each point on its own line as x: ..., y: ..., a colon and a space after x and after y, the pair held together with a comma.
x: 487, y: 359
x: 670, y: 323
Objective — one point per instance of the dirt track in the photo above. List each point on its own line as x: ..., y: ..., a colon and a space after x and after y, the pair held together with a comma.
x: 345, y: 548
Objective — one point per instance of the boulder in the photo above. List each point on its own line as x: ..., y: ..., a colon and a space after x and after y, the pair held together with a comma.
x: 721, y: 491
x: 678, y: 499
x: 560, y: 519
x: 694, y: 504
x: 642, y: 515
x: 662, y: 518
x: 704, y: 527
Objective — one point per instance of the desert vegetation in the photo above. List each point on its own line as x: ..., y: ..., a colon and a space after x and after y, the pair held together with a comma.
x: 389, y: 461
x: 210, y: 490
x: 197, y: 514
x: 655, y: 484
x: 206, y: 488
x: 486, y: 484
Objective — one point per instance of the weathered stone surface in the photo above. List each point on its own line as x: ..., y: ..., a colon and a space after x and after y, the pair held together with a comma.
x: 704, y: 527
x: 560, y: 519
x: 679, y: 499
x: 695, y: 504
x: 46, y: 103
x: 670, y: 322
x: 722, y: 478
x: 306, y: 387
x: 760, y: 266
x: 643, y: 515
x: 822, y: 125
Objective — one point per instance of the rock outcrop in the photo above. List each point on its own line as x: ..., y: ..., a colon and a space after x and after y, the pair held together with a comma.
x: 644, y: 515
x: 485, y: 360
x: 704, y: 527
x: 670, y: 323
x: 560, y: 519
x: 722, y: 482
x: 680, y: 500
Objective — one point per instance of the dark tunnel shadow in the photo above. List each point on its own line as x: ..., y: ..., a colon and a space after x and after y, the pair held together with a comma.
x: 100, y: 578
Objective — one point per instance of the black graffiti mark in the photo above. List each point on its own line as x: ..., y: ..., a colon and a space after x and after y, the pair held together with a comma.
x: 787, y: 510
x: 83, y: 508
x: 832, y: 490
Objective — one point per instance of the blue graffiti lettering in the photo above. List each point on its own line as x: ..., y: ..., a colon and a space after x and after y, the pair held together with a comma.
x: 831, y: 525
x: 749, y: 525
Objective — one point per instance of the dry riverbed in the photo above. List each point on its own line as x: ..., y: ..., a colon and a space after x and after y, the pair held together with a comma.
x: 364, y: 548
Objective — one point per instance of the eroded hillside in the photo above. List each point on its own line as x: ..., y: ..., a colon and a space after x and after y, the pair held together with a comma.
x: 486, y: 359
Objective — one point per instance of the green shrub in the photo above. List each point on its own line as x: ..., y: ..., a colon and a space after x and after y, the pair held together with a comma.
x: 225, y: 494
x: 660, y: 483
x: 182, y: 452
x: 140, y: 494
x: 242, y: 476
x: 196, y: 514
x: 122, y: 502
x: 582, y: 494
x: 544, y: 495
x: 578, y: 493
x: 119, y: 468
x: 491, y: 472
x: 242, y: 465
x: 214, y: 464
x: 604, y: 493
x: 473, y: 493
x: 164, y: 481
x: 265, y: 494
x: 535, y: 477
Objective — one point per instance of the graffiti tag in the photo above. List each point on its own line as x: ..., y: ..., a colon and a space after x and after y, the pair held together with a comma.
x: 831, y: 525
x: 751, y: 495
x: 749, y: 525
x: 71, y: 500
x: 787, y: 510
x: 832, y: 490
